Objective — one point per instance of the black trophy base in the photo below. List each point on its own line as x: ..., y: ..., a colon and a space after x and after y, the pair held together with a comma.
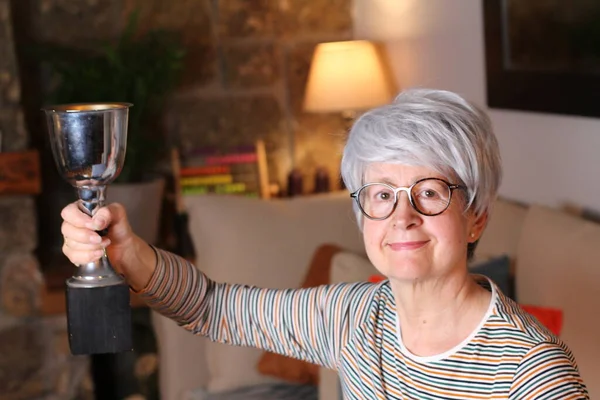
x: 99, y: 319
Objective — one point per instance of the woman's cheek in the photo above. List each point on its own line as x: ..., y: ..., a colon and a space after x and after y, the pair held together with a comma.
x: 373, y: 239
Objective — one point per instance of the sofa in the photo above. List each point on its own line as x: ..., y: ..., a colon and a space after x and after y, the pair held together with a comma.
x: 270, y: 243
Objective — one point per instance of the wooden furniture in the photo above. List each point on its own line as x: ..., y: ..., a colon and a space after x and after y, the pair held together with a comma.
x: 20, y: 173
x: 236, y: 172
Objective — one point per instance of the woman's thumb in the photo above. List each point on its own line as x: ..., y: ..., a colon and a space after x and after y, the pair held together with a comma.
x: 113, y: 216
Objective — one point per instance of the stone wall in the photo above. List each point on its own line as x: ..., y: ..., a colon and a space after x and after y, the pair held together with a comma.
x: 35, y: 362
x: 246, y: 66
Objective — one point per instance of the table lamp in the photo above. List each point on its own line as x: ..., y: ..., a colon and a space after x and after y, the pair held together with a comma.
x: 347, y: 77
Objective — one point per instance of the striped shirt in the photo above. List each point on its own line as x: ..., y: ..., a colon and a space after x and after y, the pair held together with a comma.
x: 352, y: 327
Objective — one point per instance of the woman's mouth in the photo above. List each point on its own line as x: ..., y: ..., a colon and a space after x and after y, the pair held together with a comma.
x: 399, y: 246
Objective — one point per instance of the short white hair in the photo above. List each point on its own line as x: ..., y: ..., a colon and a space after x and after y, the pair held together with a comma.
x: 431, y: 128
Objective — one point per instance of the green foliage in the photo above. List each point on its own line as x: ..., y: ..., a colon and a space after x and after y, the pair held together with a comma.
x: 585, y: 38
x: 140, y: 69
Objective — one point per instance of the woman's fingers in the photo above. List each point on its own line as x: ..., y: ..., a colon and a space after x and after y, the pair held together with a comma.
x: 83, y: 244
x: 81, y: 235
x: 74, y: 216
x: 79, y: 254
x: 79, y: 246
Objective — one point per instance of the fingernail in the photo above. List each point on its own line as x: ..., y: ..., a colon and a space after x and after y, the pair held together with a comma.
x: 105, y: 243
x: 99, y: 223
x: 95, y: 239
x: 98, y: 253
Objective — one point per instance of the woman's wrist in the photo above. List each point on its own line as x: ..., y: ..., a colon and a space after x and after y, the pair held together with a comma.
x: 143, y: 265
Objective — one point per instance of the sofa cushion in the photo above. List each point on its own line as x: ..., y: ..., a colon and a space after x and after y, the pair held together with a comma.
x: 181, y: 369
x: 262, y: 243
x: 347, y: 266
x: 291, y: 369
x: 498, y: 270
x: 501, y: 236
x: 558, y: 266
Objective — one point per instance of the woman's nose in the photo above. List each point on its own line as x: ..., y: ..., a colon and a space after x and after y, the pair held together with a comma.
x: 404, y: 214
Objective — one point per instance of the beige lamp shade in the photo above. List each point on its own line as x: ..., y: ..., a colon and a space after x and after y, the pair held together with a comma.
x: 346, y: 76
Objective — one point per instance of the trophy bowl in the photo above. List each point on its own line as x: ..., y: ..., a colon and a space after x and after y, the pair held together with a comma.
x: 88, y: 142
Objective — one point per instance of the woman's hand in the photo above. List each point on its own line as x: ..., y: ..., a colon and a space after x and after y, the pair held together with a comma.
x: 128, y: 254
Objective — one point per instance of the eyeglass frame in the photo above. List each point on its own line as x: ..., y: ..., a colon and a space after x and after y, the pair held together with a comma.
x: 408, y: 190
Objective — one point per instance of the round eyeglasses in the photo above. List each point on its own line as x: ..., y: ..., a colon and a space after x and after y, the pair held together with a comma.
x: 429, y: 196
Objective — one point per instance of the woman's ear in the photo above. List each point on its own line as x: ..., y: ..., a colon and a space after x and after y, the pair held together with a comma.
x: 477, y: 226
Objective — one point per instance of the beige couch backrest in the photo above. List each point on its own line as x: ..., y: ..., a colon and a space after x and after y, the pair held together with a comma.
x: 558, y: 265
x: 503, y: 231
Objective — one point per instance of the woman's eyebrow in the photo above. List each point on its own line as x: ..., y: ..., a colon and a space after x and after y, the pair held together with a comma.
x: 392, y: 182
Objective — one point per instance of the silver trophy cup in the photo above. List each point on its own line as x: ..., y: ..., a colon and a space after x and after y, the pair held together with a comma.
x: 88, y: 144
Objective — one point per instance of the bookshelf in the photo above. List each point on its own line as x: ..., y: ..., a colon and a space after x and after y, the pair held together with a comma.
x: 242, y: 171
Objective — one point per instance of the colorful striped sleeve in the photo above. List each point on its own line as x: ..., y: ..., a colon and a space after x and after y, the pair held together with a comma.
x: 548, y: 371
x: 309, y: 324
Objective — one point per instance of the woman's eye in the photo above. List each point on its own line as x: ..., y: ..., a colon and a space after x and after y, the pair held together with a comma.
x: 429, y: 194
x: 384, y: 196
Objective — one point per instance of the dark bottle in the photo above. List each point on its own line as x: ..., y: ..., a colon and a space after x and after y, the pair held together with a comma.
x: 321, y: 180
x: 295, y: 186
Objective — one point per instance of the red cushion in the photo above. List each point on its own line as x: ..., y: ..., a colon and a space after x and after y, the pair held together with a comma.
x: 376, y: 278
x: 551, y: 318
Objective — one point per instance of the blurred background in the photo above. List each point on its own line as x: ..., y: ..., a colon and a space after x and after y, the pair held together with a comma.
x: 275, y: 85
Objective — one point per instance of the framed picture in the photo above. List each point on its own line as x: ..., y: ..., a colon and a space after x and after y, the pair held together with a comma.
x: 543, y: 55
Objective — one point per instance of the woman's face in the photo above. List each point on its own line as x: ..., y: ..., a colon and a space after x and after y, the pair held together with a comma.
x: 408, y: 246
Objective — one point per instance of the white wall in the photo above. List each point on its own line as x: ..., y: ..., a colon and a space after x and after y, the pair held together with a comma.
x: 548, y: 159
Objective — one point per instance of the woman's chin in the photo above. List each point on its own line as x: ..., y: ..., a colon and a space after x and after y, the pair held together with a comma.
x: 406, y: 277
x: 407, y: 271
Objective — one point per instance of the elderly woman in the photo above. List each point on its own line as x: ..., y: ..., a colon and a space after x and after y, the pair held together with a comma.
x: 424, y: 172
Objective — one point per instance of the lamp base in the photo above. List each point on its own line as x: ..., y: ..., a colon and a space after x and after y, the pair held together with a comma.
x: 99, y: 319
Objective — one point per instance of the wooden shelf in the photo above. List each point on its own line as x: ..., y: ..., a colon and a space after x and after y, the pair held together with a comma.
x: 20, y: 173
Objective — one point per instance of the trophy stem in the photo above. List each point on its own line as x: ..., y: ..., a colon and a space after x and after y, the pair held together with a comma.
x: 99, y: 273
x: 91, y: 198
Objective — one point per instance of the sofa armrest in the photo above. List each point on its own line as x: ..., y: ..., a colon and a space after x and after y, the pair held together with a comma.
x: 329, y: 384
x: 182, y: 366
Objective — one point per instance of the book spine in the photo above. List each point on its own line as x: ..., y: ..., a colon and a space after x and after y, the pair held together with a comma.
x: 232, y: 159
x: 232, y: 188
x: 206, y: 180
x: 207, y: 170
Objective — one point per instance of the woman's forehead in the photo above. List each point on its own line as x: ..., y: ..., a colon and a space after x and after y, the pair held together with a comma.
x: 399, y: 174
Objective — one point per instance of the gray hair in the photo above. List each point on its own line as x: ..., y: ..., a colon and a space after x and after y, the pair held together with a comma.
x: 432, y: 128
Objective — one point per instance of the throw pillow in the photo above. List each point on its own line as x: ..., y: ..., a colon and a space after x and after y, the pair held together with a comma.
x: 498, y: 270
x: 351, y: 267
x: 291, y: 369
x: 551, y: 318
x: 266, y: 244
